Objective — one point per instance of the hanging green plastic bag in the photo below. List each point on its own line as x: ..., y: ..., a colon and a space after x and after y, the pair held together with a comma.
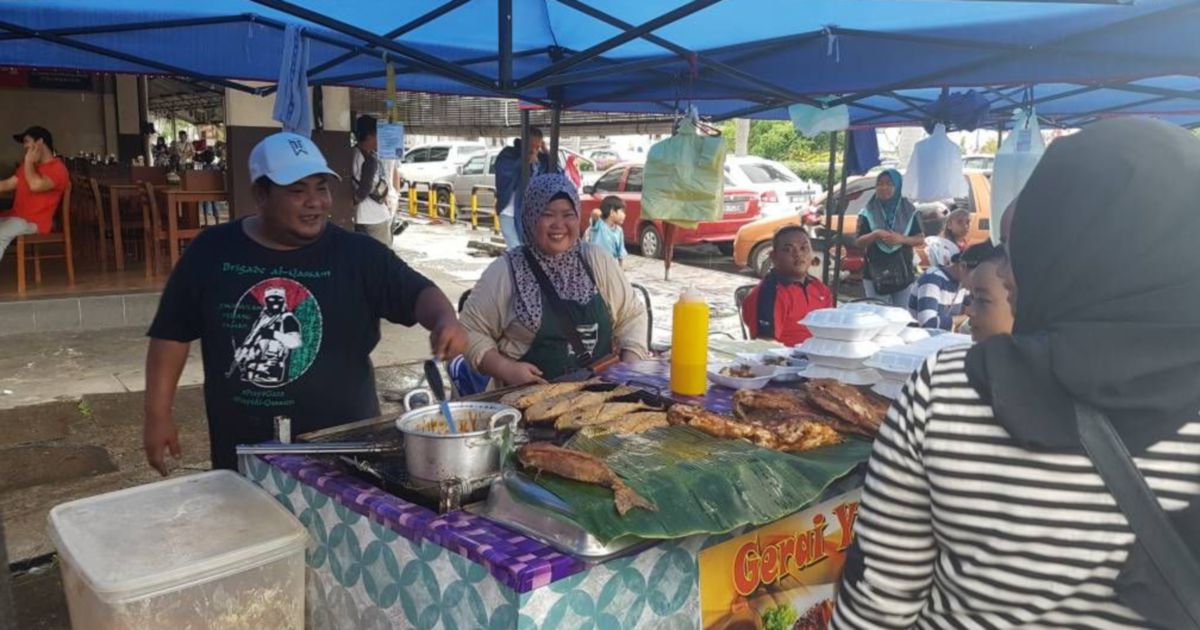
x: 685, y: 178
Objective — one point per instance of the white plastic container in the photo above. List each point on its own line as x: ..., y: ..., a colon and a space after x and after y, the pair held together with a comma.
x: 913, y: 335
x: 897, y: 318
x: 842, y: 355
x: 844, y: 325
x: 889, y: 341
x: 888, y: 388
x: 865, y: 376
x: 206, y: 551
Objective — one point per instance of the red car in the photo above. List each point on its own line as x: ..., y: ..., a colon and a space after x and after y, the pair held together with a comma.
x: 625, y: 181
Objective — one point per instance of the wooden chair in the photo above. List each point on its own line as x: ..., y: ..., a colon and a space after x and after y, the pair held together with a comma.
x: 101, y: 217
x: 205, y: 181
x: 35, y: 242
x: 160, y: 229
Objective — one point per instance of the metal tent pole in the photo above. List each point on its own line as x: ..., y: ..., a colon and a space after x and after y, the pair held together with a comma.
x: 8, y: 610
x: 505, y: 42
x: 833, y: 145
x: 841, y: 223
x: 555, y: 129
x: 523, y: 180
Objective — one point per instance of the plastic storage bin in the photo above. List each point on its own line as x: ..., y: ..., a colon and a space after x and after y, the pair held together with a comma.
x: 843, y: 355
x: 207, y: 551
x: 844, y: 325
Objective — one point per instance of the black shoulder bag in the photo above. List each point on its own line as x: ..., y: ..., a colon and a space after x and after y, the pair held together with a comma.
x: 583, y: 358
x: 1167, y: 557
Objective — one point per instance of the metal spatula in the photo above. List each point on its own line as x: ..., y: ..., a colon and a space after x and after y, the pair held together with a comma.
x: 434, y: 376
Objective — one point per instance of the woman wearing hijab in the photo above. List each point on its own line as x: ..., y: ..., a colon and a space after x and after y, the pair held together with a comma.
x: 555, y: 304
x: 888, y: 230
x: 981, y: 507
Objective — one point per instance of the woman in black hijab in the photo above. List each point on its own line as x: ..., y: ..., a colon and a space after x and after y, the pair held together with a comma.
x: 981, y: 508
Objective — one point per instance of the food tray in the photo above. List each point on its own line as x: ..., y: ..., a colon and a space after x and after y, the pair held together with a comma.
x: 842, y: 355
x: 897, y: 318
x: 844, y: 325
x: 783, y: 373
x: 865, y: 376
x: 763, y: 374
x: 517, y: 502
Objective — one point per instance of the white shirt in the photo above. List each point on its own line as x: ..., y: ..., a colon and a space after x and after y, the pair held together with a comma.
x: 369, y: 211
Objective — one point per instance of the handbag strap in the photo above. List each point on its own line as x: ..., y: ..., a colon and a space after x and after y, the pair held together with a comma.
x: 560, y: 309
x: 1162, y: 543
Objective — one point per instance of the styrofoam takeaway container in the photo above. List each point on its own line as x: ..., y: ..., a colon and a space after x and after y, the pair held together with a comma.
x: 865, y: 376
x: 897, y: 318
x: 209, y: 551
x: 888, y: 388
x: 843, y: 355
x: 844, y: 325
x: 902, y: 361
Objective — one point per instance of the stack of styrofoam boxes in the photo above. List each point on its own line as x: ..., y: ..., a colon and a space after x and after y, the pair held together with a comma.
x: 896, y: 365
x: 897, y: 331
x: 843, y: 339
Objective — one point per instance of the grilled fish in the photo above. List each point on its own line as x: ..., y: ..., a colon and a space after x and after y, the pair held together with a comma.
x: 585, y: 415
x: 527, y: 397
x: 629, y: 425
x: 580, y: 466
x: 551, y: 408
x: 858, y: 412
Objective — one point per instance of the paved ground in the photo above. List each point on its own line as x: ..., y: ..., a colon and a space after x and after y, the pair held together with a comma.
x: 71, y: 405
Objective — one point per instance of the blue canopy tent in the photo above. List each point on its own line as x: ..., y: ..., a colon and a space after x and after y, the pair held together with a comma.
x: 765, y: 53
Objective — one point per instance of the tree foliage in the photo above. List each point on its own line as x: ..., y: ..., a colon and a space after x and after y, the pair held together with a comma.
x: 778, y: 140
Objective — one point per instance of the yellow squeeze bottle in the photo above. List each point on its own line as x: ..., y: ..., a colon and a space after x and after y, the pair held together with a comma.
x: 689, y: 345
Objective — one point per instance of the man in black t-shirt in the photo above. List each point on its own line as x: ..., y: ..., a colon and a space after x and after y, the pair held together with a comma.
x: 287, y: 310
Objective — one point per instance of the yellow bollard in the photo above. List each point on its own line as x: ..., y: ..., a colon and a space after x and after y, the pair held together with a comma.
x: 474, y: 210
x: 433, y: 211
x: 453, y: 207
x: 495, y: 220
x: 412, y: 200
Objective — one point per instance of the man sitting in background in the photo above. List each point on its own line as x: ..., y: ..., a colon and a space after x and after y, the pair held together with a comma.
x: 938, y: 299
x: 774, y: 308
x: 39, y: 184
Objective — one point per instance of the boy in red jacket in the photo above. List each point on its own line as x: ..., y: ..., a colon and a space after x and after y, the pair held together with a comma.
x: 774, y: 308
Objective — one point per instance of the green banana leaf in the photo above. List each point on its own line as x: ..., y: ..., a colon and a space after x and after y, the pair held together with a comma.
x: 701, y: 484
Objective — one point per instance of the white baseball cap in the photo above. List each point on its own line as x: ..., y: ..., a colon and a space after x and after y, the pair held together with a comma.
x: 286, y: 158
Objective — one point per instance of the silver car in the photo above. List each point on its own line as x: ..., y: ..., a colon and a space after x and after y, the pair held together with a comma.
x: 479, y: 170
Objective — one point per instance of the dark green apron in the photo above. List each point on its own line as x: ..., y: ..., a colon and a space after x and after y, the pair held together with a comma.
x: 551, y: 349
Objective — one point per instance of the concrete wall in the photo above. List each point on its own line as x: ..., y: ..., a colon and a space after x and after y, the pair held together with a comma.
x: 75, y: 118
x: 248, y: 120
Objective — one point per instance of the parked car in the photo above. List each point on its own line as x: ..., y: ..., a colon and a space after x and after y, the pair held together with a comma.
x: 979, y: 163
x: 780, y: 191
x: 480, y: 170
x: 752, y: 247
x: 625, y: 181
x: 437, y: 162
x: 604, y: 159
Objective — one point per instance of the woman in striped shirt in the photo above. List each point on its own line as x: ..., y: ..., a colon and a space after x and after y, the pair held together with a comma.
x: 981, y: 509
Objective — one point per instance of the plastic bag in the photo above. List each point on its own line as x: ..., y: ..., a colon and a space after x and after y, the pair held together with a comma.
x: 1018, y: 156
x: 810, y: 121
x: 935, y: 170
x: 684, y: 178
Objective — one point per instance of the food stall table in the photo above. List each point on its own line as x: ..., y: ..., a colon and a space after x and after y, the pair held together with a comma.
x: 377, y: 560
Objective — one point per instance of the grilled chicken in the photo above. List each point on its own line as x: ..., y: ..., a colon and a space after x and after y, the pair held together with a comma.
x: 771, y: 403
x: 580, y: 466
x: 797, y: 426
x: 858, y: 412
x: 629, y: 425
x: 720, y: 426
x: 585, y: 415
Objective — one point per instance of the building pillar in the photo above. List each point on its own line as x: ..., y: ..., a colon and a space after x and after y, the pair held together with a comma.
x: 129, y: 123
x: 248, y: 120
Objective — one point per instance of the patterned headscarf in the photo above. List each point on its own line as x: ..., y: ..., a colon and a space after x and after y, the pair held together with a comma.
x: 566, y: 271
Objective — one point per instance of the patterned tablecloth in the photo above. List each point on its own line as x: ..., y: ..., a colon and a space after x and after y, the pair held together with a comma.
x: 376, y: 561
x: 655, y: 374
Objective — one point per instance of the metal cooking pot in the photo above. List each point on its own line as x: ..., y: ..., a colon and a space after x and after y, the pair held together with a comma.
x: 432, y: 455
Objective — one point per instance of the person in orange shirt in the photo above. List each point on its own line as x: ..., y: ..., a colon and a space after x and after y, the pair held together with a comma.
x: 39, y: 184
x: 774, y: 308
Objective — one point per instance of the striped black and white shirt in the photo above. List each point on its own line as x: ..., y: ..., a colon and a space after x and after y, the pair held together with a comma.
x: 961, y: 528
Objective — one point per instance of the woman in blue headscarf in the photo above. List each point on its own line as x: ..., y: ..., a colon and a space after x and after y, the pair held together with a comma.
x: 888, y: 230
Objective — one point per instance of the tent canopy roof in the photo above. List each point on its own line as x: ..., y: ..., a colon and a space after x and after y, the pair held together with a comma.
x: 747, y: 57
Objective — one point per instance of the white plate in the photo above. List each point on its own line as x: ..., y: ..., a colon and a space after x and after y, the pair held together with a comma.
x: 763, y: 375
